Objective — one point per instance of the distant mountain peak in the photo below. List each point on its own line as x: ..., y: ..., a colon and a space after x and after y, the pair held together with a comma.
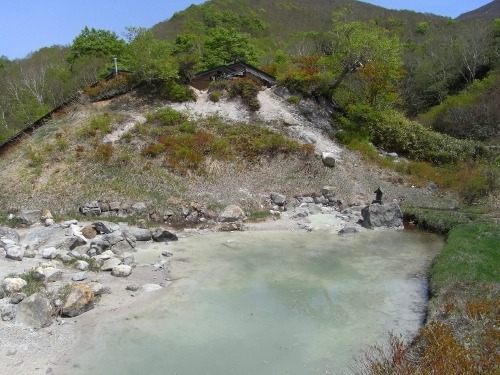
x: 487, y: 12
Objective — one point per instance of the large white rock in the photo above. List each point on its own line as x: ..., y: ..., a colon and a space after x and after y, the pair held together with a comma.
x: 81, y: 265
x: 48, y: 253
x: 147, y: 288
x: 49, y: 274
x: 110, y: 264
x: 13, y: 284
x: 121, y: 271
x: 14, y: 252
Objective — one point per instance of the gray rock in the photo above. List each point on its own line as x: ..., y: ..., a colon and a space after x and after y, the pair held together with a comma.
x: 140, y: 234
x: 29, y: 253
x: 75, y: 242
x: 80, y: 299
x: 28, y: 217
x: 328, y: 191
x: 382, y: 215
x: 2, y: 292
x: 80, y: 276
x: 17, y: 298
x: 167, y: 253
x: 48, y: 274
x: 108, y: 254
x: 14, y: 252
x: 130, y: 239
x: 48, y: 253
x: 300, y: 212
x: 348, y: 230
x: 162, y: 235
x: 104, y: 227
x: 48, y: 222
x: 308, y: 200
x: 11, y: 234
x: 68, y: 223
x: 7, y: 311
x: 81, y: 265
x: 35, y: 311
x: 13, y: 284
x: 110, y: 264
x: 114, y: 206
x: 121, y: 271
x: 91, y: 208
x: 328, y: 159
x: 232, y: 213
x: 278, y: 199
x: 231, y: 227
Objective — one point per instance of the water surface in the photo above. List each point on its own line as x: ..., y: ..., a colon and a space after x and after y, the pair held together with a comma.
x: 270, y: 303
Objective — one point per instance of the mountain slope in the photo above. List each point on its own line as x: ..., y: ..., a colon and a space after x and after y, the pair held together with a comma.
x: 487, y: 12
x: 283, y: 18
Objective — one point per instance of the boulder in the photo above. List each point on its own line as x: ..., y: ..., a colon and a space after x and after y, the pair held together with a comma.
x: 48, y: 253
x: 8, y: 233
x: 80, y: 299
x: 121, y: 271
x: 278, y: 199
x: 89, y: 232
x: 230, y: 227
x: 110, y: 264
x: 99, y: 289
x: 29, y: 253
x: 139, y: 207
x: 132, y: 287
x: 48, y: 222
x: 108, y: 254
x: 35, y: 311
x: 28, y: 217
x: 382, y: 215
x: 162, y: 235
x: 14, y: 252
x: 74, y: 242
x: 104, y: 227
x: 140, y: 234
x: 232, y: 213
x: 328, y: 159
x: 13, y: 284
x: 48, y: 274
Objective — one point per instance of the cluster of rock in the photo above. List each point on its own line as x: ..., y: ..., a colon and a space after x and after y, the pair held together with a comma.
x: 43, y: 292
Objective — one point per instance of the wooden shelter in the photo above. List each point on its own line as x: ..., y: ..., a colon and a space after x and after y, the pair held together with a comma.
x: 235, y: 70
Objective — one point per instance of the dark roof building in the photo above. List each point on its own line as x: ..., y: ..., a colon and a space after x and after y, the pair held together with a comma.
x: 235, y: 70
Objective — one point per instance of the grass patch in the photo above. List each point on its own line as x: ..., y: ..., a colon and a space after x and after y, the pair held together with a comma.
x: 437, y: 221
x: 34, y: 284
x: 470, y: 256
x: 258, y: 216
x: 97, y: 126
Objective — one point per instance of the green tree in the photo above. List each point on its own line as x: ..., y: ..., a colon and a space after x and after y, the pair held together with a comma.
x: 368, y: 59
x: 227, y: 45
x: 96, y: 43
x: 150, y: 58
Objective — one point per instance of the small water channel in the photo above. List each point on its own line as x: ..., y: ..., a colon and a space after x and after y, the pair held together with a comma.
x: 269, y: 303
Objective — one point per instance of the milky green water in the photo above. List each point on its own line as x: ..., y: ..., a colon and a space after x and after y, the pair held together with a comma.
x: 269, y: 303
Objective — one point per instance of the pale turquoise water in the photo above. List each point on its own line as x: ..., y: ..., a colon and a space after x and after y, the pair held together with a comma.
x: 270, y: 303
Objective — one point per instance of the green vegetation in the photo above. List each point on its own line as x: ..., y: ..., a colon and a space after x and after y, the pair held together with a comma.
x: 470, y: 256
x: 33, y: 283
x: 186, y: 145
x: 245, y: 89
x: 98, y: 125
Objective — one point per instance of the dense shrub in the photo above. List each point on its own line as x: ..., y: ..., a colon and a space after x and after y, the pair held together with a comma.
x: 245, y: 89
x: 177, y: 92
x: 98, y: 125
x: 166, y: 117
x: 392, y: 131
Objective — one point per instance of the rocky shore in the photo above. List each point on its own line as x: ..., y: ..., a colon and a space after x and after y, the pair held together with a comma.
x: 56, y: 279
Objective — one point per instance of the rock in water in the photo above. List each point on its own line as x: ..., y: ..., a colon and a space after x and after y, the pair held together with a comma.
x: 80, y: 300
x: 140, y: 234
x: 328, y: 159
x: 162, y: 235
x: 232, y: 213
x: 35, y: 311
x: 382, y: 215
x: 278, y: 199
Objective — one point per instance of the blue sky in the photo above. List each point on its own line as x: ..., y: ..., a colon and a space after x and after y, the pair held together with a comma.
x: 28, y: 25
